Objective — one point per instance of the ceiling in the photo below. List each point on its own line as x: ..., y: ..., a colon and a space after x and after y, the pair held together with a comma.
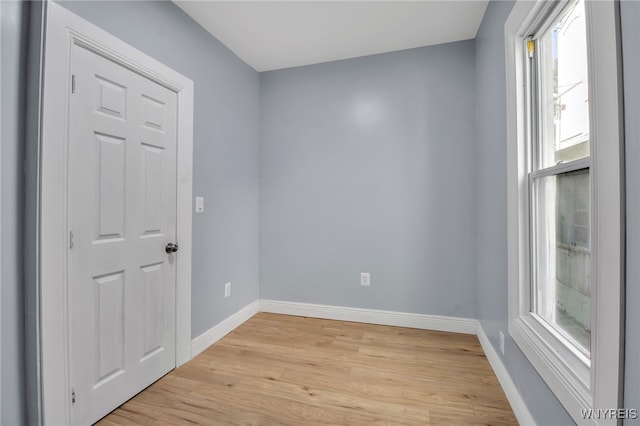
x: 270, y: 35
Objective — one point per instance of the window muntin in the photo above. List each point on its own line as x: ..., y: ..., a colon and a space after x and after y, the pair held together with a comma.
x: 559, y: 177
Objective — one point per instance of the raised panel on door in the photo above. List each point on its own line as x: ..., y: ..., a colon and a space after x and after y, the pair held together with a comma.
x: 109, y: 171
x: 108, y: 311
x: 111, y: 98
x: 154, y: 112
x: 153, y: 310
x: 151, y: 165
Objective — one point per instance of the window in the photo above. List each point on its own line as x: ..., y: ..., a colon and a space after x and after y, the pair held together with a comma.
x: 565, y: 200
x: 557, y: 81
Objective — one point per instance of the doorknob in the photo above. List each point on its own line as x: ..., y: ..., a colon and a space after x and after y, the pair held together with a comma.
x: 171, y: 248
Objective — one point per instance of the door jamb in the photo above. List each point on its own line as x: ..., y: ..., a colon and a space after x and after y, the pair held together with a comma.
x: 64, y: 30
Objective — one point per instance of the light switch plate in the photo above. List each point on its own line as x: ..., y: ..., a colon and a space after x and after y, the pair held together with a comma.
x: 227, y: 290
x: 199, y: 204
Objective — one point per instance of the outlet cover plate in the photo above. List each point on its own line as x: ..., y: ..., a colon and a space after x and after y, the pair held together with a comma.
x: 365, y: 279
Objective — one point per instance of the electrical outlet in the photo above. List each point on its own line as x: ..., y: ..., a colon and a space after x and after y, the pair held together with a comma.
x: 365, y: 279
x: 502, y: 342
x: 227, y: 290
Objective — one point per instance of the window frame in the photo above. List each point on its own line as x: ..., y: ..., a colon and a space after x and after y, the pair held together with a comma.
x: 577, y: 382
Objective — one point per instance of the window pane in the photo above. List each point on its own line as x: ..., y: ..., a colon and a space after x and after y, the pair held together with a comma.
x: 564, y: 95
x: 563, y: 251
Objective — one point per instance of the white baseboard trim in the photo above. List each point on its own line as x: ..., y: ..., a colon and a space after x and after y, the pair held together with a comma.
x: 518, y: 406
x: 220, y: 330
x: 372, y: 316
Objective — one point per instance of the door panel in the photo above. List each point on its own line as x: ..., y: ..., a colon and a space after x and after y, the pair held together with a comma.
x: 109, y: 320
x: 109, y: 163
x: 122, y: 213
x: 153, y: 306
x: 152, y: 159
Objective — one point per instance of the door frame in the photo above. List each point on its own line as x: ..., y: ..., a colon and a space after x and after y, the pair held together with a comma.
x: 64, y: 30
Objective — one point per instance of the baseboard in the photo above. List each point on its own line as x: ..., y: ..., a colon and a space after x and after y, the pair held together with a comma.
x: 220, y: 330
x: 518, y: 406
x: 372, y: 316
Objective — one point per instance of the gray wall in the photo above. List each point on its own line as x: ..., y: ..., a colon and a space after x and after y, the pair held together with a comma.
x: 366, y: 166
x: 225, y: 236
x: 630, y: 17
x: 14, y: 16
x: 491, y: 214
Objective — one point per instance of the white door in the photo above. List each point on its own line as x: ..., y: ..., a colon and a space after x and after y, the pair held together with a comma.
x: 121, y: 216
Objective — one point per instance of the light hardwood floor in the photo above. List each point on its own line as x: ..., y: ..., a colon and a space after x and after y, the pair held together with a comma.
x: 287, y: 370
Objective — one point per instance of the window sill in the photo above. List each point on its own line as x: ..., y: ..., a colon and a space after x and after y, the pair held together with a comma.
x: 566, y: 371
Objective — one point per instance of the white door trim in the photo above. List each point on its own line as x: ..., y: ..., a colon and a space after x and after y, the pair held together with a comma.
x: 63, y: 30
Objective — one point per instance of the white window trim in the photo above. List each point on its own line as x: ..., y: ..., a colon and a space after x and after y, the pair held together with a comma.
x: 63, y: 30
x: 577, y: 383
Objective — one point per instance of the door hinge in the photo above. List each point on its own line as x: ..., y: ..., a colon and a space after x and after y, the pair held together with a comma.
x: 71, y: 239
x: 73, y: 396
x: 73, y: 83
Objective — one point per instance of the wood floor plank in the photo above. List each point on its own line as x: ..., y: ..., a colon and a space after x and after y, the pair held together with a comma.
x: 286, y: 370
